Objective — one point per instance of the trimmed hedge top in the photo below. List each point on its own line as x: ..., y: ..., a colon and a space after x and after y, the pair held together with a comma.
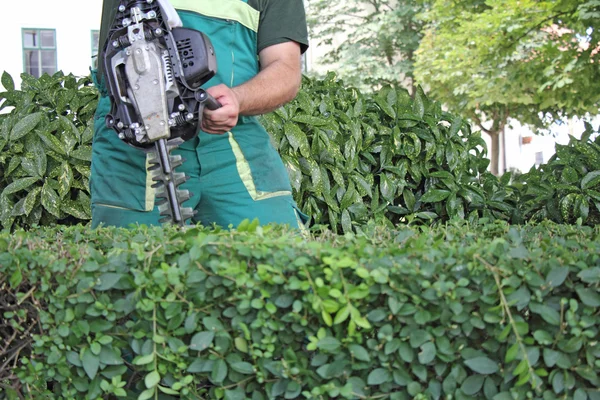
x: 457, y: 311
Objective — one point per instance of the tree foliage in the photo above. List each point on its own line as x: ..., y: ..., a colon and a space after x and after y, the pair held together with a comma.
x: 373, y: 42
x: 534, y: 61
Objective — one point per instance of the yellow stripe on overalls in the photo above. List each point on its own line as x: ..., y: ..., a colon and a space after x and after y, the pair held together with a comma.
x: 243, y: 167
x: 234, y: 10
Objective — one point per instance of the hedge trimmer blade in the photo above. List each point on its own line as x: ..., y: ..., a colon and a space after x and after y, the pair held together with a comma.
x: 170, y: 198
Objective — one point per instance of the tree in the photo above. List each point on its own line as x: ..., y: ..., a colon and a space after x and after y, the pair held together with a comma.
x: 532, y: 60
x: 372, y: 42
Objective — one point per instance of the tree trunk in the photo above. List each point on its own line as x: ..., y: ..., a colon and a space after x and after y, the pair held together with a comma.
x: 495, y: 151
x: 495, y: 131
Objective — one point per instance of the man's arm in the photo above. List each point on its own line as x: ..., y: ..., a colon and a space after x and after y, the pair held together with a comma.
x: 276, y: 84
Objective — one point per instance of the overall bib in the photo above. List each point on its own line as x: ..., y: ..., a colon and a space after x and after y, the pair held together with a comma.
x: 233, y: 176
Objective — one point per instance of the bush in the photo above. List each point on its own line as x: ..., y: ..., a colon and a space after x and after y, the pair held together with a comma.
x: 567, y: 188
x: 45, y: 150
x: 492, y: 311
x: 389, y: 158
x: 352, y: 158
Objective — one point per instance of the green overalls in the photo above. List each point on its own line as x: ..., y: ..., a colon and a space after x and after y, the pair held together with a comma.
x: 233, y: 176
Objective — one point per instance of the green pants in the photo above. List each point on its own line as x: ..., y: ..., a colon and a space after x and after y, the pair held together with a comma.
x: 234, y: 176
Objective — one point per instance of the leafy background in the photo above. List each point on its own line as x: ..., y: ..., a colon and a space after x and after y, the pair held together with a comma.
x: 353, y: 158
x: 45, y: 150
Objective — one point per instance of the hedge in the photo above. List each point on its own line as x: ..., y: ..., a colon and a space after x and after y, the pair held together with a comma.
x: 452, y: 312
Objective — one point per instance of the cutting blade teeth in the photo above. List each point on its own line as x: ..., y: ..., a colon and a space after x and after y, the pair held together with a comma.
x: 161, y: 166
x: 179, y: 178
x: 176, y: 161
x: 183, y: 196
x: 160, y: 191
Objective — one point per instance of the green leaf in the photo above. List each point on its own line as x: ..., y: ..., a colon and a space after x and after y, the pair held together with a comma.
x: 7, y: 82
x: 152, y: 379
x: 52, y: 142
x: 589, y: 297
x: 550, y: 315
x: 25, y: 125
x: 590, y: 180
x: 219, y: 371
x: 418, y: 106
x: 342, y: 315
x: 482, y: 365
x: 147, y: 394
x: 12, y: 165
x: 385, y: 106
x: 50, y: 200
x: 107, y: 281
x: 65, y: 179
x: 143, y: 360
x: 31, y: 200
x: 297, y: 138
x: 472, y: 385
x: 378, y: 376
x: 15, y: 279
x: 557, y: 276
x: 329, y: 344
x: 242, y: 367
x: 202, y: 340
x: 435, y: 195
x: 90, y: 362
x: 427, y: 353
x: 310, y: 120
x: 18, y: 185
x: 359, y: 352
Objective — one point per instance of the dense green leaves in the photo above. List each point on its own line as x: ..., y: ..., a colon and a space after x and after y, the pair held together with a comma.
x: 45, y: 150
x: 567, y: 188
x: 488, y: 311
x: 382, y: 157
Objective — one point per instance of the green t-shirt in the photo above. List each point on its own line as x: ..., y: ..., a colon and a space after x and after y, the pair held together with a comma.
x: 280, y: 21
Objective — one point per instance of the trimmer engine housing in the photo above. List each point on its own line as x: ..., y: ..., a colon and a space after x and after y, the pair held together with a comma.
x: 154, y: 69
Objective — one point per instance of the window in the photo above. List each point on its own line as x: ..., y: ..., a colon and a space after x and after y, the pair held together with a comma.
x: 39, y: 51
x: 95, y: 47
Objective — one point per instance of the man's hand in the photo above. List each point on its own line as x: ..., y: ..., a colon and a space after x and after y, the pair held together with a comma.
x: 225, y: 118
x: 276, y: 84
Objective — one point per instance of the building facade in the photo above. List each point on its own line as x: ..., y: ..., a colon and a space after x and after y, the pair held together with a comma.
x: 49, y: 36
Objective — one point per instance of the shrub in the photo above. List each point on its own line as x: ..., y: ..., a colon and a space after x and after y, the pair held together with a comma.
x: 389, y: 158
x: 45, y: 150
x: 567, y: 188
x: 352, y: 158
x: 492, y: 311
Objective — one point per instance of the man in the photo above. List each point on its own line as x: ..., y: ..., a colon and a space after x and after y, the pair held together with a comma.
x: 235, y: 173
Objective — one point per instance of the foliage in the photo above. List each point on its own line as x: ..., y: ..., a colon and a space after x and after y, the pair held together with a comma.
x: 488, y: 311
x: 45, y: 150
x: 567, y: 188
x: 354, y: 158
x: 370, y: 42
x: 534, y: 61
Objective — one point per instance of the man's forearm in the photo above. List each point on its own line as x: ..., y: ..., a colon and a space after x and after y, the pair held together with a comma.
x: 274, y: 86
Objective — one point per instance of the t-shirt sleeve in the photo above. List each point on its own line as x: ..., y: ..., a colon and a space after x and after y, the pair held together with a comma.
x: 282, y: 21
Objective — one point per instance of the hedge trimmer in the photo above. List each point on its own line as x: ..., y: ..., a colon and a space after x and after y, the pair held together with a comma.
x: 154, y: 69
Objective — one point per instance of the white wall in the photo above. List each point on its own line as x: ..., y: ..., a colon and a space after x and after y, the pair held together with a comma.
x: 522, y: 157
x: 73, y: 21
